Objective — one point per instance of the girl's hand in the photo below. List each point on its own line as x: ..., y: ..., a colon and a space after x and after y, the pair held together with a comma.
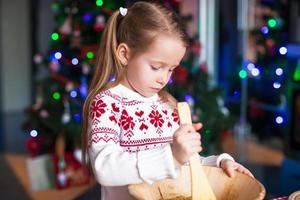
x: 230, y: 167
x: 186, y: 142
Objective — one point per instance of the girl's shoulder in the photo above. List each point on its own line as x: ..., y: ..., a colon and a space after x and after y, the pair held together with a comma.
x: 110, y: 94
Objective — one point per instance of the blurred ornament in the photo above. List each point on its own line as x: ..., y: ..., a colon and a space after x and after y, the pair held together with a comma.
x: 100, y: 23
x: 261, y: 49
x: 78, y: 154
x: 69, y: 86
x: 196, y: 48
x: 33, y: 145
x: 55, y: 7
x: 44, y: 114
x: 54, y: 66
x: 38, y: 102
x: 180, y: 75
x: 62, y: 179
x: 66, y: 117
x: 38, y: 58
x: 270, y: 43
x: 225, y: 134
x: 85, y: 68
x: 76, y: 31
x: 66, y: 27
x: 204, y: 68
x: 76, y: 41
x: 74, y: 10
x: 225, y: 111
x: 195, y: 118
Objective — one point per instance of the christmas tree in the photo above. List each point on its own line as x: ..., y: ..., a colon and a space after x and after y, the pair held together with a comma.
x: 64, y: 72
x: 266, y: 69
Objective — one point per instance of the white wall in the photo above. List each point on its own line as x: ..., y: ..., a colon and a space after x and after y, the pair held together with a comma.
x: 15, y: 63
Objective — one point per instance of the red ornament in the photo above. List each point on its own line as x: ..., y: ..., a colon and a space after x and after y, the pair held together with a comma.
x: 196, y: 48
x: 34, y: 145
x: 225, y: 134
x: 204, y: 68
x: 180, y: 75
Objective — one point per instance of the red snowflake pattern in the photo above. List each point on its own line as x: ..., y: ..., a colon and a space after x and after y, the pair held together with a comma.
x: 156, y: 118
x: 126, y: 121
x: 97, y: 108
x: 175, y: 116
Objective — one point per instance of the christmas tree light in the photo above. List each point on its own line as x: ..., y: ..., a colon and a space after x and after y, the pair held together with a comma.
x: 54, y: 36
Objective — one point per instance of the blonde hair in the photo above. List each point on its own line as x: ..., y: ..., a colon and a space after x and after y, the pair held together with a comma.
x: 138, y: 28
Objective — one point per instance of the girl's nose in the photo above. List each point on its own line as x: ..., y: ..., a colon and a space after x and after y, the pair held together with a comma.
x: 163, y: 78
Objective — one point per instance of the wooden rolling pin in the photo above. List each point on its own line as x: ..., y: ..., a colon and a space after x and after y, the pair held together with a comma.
x: 201, y: 189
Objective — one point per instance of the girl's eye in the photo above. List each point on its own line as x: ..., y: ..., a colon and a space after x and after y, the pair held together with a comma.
x: 155, y: 68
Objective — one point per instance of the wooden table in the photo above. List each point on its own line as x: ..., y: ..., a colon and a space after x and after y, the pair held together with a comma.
x: 255, y: 153
x: 18, y: 165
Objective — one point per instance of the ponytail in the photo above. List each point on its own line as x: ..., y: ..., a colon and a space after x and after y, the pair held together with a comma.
x: 107, y: 67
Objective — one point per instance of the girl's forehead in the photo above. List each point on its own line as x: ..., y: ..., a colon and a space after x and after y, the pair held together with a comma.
x: 166, y: 49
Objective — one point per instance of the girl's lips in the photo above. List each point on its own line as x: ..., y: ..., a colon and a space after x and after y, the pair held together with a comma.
x: 156, y: 89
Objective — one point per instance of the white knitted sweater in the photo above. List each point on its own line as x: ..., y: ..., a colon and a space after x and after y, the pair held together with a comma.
x: 129, y: 141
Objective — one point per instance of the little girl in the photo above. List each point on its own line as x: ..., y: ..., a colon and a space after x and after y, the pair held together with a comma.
x: 131, y: 127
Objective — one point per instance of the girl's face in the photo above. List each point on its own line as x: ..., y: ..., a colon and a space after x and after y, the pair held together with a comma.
x: 149, y: 72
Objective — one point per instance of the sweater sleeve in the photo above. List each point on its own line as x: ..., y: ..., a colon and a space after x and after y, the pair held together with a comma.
x: 215, y: 160
x: 112, y: 166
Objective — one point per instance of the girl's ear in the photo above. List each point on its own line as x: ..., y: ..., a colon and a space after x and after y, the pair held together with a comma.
x: 123, y: 53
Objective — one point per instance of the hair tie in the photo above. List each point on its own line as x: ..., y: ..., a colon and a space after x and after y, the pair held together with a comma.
x: 123, y: 11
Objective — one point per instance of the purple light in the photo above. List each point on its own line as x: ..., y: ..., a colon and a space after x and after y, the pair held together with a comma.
x: 236, y: 94
x: 188, y: 98
x: 87, y: 17
x: 112, y: 78
x: 84, y: 90
x: 73, y: 94
x: 75, y: 61
x: 77, y: 117
x: 264, y: 30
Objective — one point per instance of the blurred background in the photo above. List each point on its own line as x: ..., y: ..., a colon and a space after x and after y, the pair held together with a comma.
x: 240, y: 75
